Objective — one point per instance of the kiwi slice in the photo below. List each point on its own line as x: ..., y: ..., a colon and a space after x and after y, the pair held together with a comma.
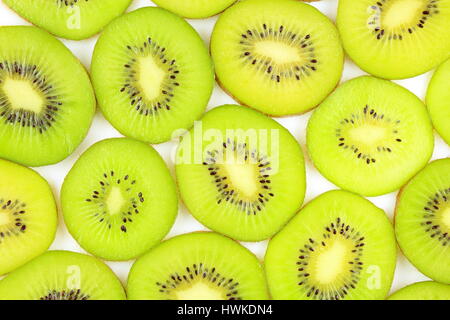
x: 71, y: 19
x: 395, y: 39
x: 62, y: 275
x: 159, y: 74
x: 422, y: 220
x: 438, y: 100
x: 280, y: 57
x: 240, y: 173
x: 119, y: 199
x: 195, y: 9
x: 28, y: 215
x: 426, y: 290
x: 44, y: 113
x: 197, y: 266
x: 339, y: 246
x: 370, y: 136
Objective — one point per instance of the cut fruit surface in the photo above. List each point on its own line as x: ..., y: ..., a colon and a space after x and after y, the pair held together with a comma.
x: 44, y: 113
x: 279, y: 57
x: 160, y: 75
x: 426, y: 290
x: 370, y: 136
x: 71, y: 19
x: 62, y: 275
x: 241, y: 173
x: 395, y: 39
x: 28, y: 215
x: 422, y: 220
x: 118, y: 204
x: 438, y: 100
x: 339, y: 246
x: 197, y: 266
x: 195, y: 9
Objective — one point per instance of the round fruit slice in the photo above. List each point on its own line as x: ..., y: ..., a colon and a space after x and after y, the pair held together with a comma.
x: 280, y: 57
x: 62, y: 275
x: 119, y: 199
x: 240, y: 173
x: 197, y: 266
x: 438, y: 100
x: 71, y: 19
x: 28, y: 215
x: 395, y: 39
x: 422, y: 220
x: 339, y: 246
x: 44, y: 113
x: 427, y: 290
x: 370, y: 136
x: 195, y: 9
x: 159, y: 74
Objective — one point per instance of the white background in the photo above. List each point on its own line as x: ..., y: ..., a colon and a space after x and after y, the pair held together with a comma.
x: 101, y: 129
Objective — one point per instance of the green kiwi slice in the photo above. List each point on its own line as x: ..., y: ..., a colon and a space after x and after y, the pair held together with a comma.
x: 426, y: 290
x: 195, y: 9
x: 339, y: 246
x: 438, y: 100
x: 28, y: 215
x: 197, y: 266
x: 70, y: 19
x: 422, y: 220
x: 119, y: 199
x: 279, y: 57
x: 370, y: 136
x: 44, y: 113
x: 240, y: 173
x: 62, y: 275
x: 395, y: 39
x: 159, y: 74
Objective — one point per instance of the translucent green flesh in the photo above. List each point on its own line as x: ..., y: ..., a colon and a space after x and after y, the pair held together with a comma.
x: 195, y: 8
x: 427, y: 290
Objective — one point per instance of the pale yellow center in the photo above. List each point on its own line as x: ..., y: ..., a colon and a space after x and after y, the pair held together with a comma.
x: 446, y: 217
x: 22, y: 95
x: 278, y: 51
x: 402, y: 12
x: 115, y: 201
x: 200, y: 290
x: 243, y: 177
x: 150, y: 77
x: 331, y: 262
x: 4, y: 218
x: 368, y: 134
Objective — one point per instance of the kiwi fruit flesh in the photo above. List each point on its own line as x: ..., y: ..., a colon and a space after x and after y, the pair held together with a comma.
x: 197, y: 266
x: 70, y: 19
x: 28, y: 215
x: 160, y: 75
x: 195, y: 9
x: 422, y: 220
x: 119, y: 204
x: 44, y: 113
x: 339, y: 246
x: 426, y: 290
x: 62, y: 275
x: 370, y: 136
x: 279, y: 57
x: 438, y: 100
x: 241, y: 173
x: 395, y: 39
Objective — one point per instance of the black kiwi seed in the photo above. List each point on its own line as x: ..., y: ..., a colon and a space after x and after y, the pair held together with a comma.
x: 432, y: 8
x: 197, y: 272
x: 436, y: 201
x: 65, y: 295
x: 69, y: 3
x: 336, y: 229
x: 97, y: 198
x: 137, y: 99
x: 18, y: 225
x: 367, y: 113
x: 37, y: 121
x: 266, y: 66
x: 225, y: 194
